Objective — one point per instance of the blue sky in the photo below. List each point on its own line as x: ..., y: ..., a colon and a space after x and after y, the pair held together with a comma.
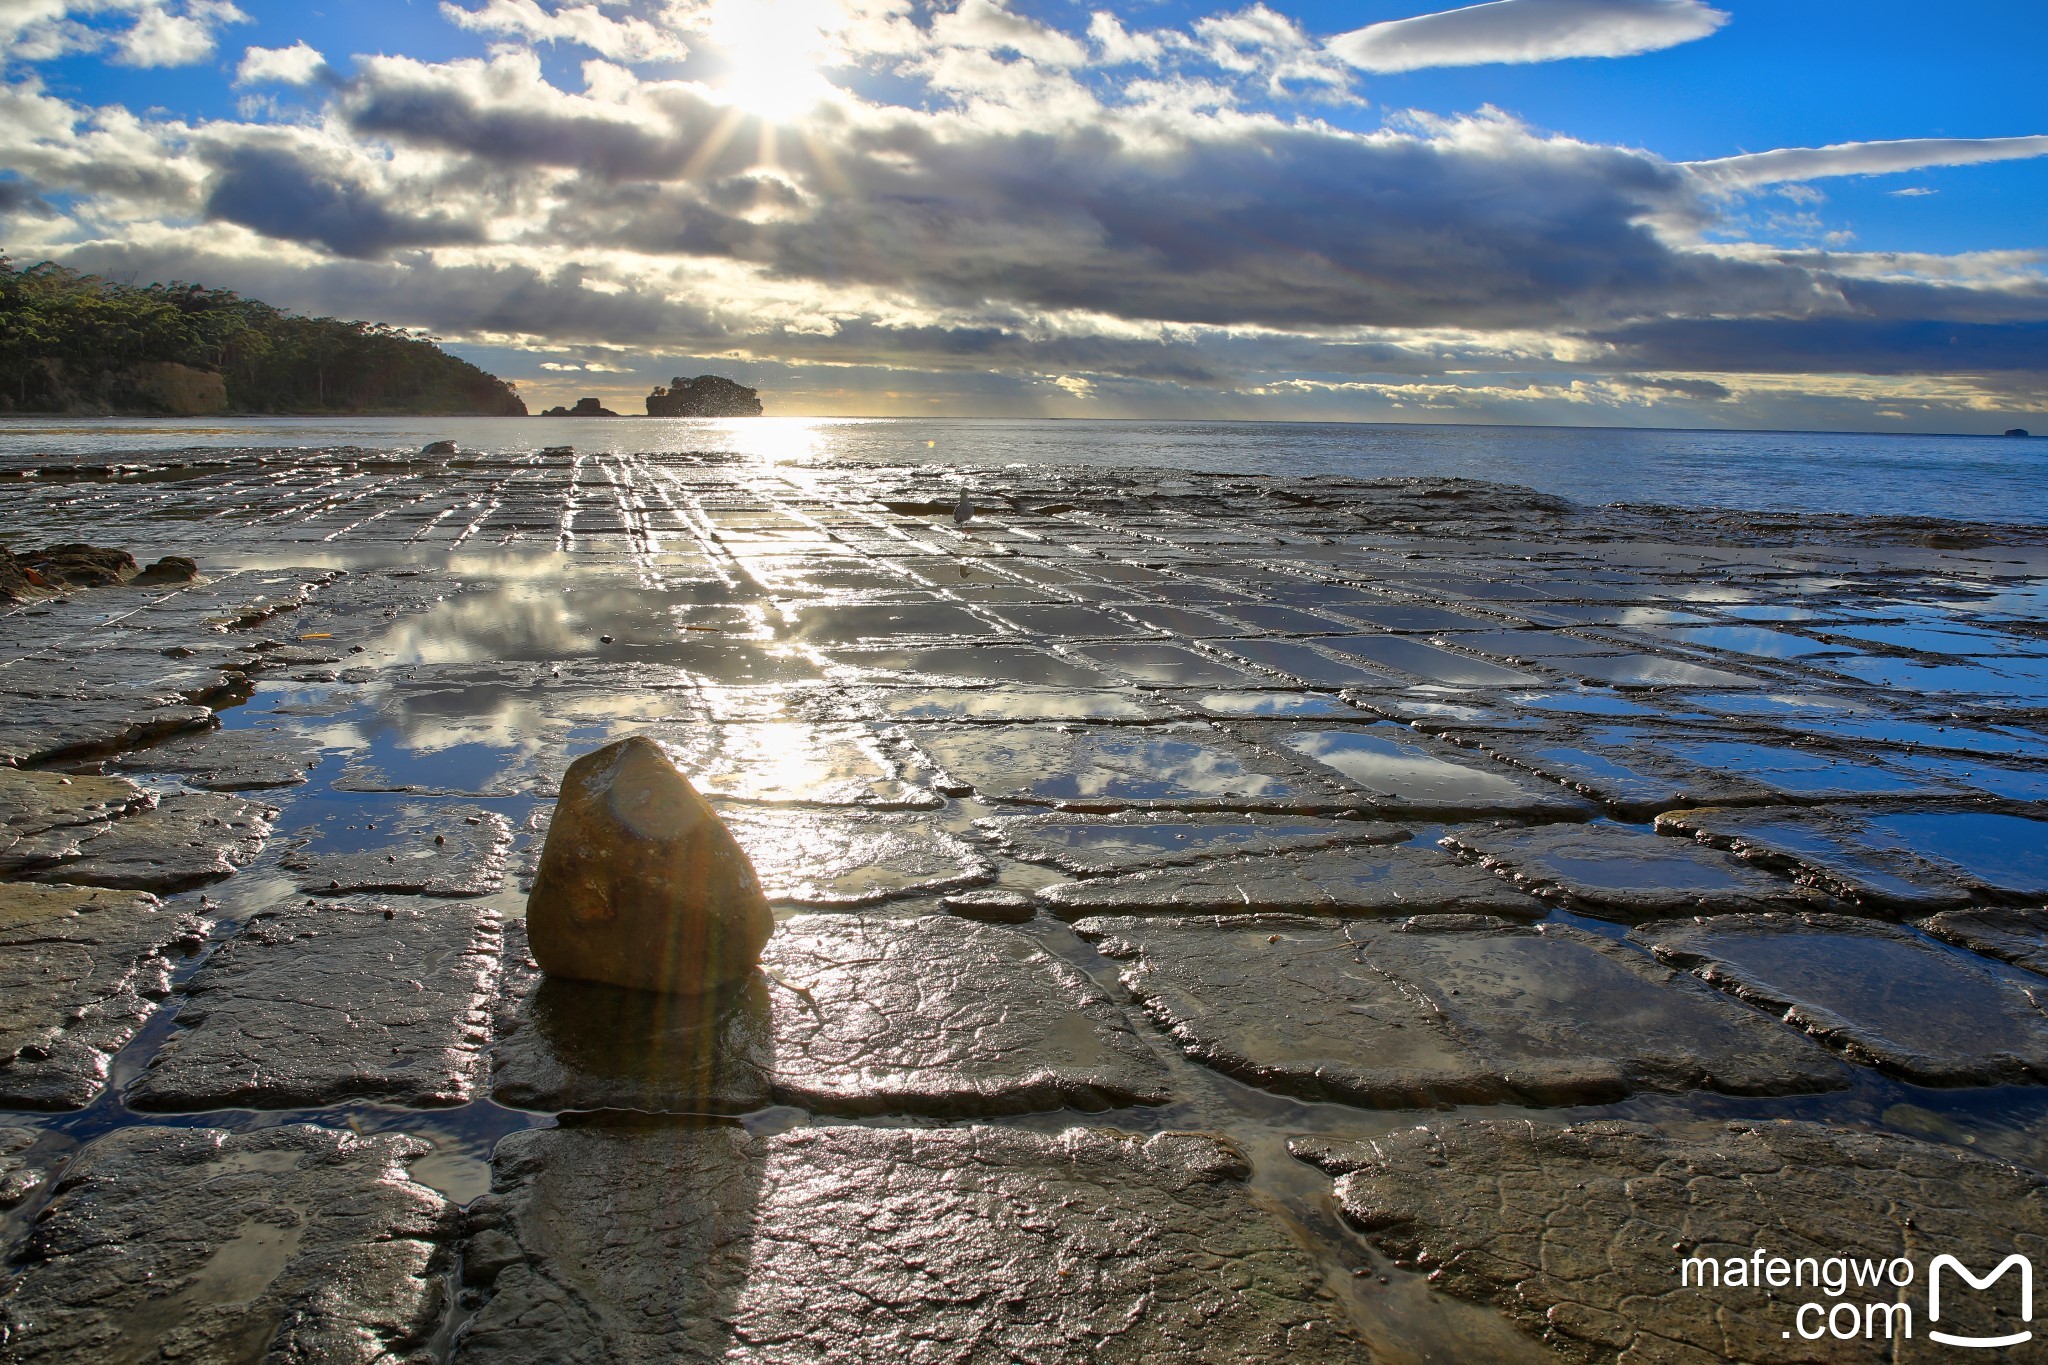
x: 1532, y: 210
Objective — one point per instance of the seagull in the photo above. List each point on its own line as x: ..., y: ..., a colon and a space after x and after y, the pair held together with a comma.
x: 963, y: 510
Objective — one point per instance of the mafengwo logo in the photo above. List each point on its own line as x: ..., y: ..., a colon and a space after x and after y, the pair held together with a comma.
x: 1865, y: 1299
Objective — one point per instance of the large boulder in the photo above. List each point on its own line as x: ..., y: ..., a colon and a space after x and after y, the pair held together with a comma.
x: 639, y: 884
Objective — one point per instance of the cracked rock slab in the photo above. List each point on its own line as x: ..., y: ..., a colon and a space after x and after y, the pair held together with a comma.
x: 337, y: 1001
x: 781, y: 762
x: 1914, y: 860
x: 423, y: 850
x: 41, y: 729
x: 1106, y: 846
x: 46, y: 817
x: 18, y: 1178
x: 227, y: 760
x: 295, y: 1244
x: 1876, y: 993
x: 1111, y: 767
x: 940, y: 1015
x: 1445, y: 1009
x: 1401, y: 879
x: 603, y: 1244
x: 584, y: 1045
x: 1411, y: 777
x: 180, y: 841
x: 80, y: 970
x: 839, y: 860
x: 936, y: 1015
x: 1615, y: 871
x: 2016, y: 936
x: 1578, y: 1234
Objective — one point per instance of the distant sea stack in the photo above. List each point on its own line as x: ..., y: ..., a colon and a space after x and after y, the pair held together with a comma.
x: 585, y: 407
x: 705, y: 396
x: 2016, y: 431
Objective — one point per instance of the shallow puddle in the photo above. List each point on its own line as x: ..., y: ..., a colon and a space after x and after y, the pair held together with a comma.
x: 977, y: 663
x: 1764, y: 644
x: 1167, y: 665
x: 1427, y: 661
x: 1400, y: 768
x: 2003, y: 852
x: 1796, y: 773
x: 1097, y: 766
x: 834, y: 625
x: 1310, y: 666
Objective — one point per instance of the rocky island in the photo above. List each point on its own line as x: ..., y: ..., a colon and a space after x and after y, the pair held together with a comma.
x: 585, y: 407
x: 707, y: 395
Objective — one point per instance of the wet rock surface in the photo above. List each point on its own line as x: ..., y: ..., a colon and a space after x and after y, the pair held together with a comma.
x: 171, y: 843
x: 1875, y: 992
x: 1183, y: 768
x: 341, y: 1000
x: 2016, y: 936
x: 1578, y: 1233
x: 938, y: 1015
x: 1899, y: 860
x: 227, y: 760
x: 829, y: 859
x: 1401, y: 879
x: 18, y: 1176
x: 44, y: 729
x: 293, y: 1244
x: 46, y: 817
x: 562, y: 1044
x: 1185, y: 696
x: 423, y: 850
x: 934, y: 1015
x: 79, y: 972
x: 1619, y: 871
x: 1445, y: 1009
x: 964, y: 1243
x: 1129, y: 843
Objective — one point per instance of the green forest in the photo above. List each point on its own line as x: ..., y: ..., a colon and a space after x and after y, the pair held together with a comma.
x: 74, y: 342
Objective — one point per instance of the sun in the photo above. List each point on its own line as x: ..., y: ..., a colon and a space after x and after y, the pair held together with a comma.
x: 773, y: 49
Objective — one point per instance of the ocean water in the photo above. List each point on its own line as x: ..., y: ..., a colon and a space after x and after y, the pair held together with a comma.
x: 1968, y: 478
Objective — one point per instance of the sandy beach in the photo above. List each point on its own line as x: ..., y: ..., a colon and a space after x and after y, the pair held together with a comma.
x: 1219, y: 918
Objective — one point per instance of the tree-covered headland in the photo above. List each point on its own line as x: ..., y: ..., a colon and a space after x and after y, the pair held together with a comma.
x: 78, y: 343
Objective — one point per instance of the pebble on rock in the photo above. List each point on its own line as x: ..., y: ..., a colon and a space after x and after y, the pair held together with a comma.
x: 639, y: 884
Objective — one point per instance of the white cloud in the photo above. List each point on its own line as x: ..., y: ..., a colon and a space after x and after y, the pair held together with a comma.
x: 631, y: 39
x: 1863, y: 158
x: 1911, y: 192
x: 989, y: 26
x: 157, y: 32
x: 299, y: 64
x: 1118, y: 46
x: 160, y: 37
x: 1259, y: 41
x: 1527, y: 31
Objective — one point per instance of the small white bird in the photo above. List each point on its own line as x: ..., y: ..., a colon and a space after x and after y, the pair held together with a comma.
x: 963, y: 510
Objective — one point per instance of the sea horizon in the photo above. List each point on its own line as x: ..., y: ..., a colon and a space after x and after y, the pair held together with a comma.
x: 1958, y: 477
